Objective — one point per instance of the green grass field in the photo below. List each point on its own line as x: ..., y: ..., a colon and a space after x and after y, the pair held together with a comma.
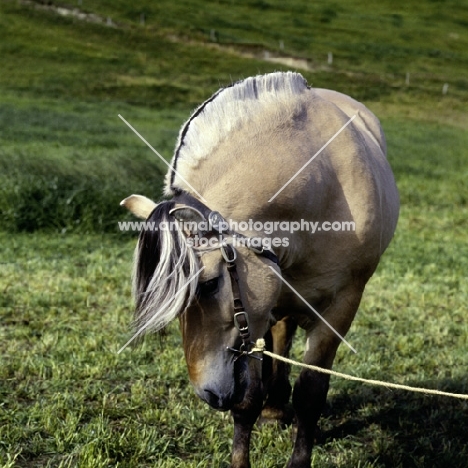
x: 66, y: 160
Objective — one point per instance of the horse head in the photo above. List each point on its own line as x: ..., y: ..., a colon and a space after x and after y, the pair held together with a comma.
x: 221, y: 289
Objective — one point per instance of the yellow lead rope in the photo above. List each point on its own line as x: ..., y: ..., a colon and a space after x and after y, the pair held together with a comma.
x: 260, y: 347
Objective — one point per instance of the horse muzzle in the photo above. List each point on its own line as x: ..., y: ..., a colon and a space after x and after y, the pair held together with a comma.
x: 223, y: 394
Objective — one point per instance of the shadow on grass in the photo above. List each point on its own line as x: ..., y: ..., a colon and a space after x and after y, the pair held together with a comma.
x: 402, y: 429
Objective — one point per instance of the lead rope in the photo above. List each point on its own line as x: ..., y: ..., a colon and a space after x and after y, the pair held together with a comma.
x: 260, y: 348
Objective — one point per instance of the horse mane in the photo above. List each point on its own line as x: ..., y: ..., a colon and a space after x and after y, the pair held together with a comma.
x: 163, y: 264
x: 226, y: 111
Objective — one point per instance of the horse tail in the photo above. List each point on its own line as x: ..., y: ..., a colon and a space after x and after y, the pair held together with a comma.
x: 162, y: 266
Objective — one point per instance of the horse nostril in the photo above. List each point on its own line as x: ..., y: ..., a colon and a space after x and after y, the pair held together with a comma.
x: 216, y: 401
x: 211, y: 397
x: 212, y: 394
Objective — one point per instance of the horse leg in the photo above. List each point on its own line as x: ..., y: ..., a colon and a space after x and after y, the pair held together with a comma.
x: 245, y: 415
x: 278, y: 386
x: 311, y: 388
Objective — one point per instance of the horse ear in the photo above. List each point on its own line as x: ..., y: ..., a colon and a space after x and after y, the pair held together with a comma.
x: 139, y: 205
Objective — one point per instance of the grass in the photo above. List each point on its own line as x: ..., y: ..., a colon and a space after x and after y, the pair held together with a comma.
x: 66, y: 160
x: 75, y: 162
x: 70, y: 400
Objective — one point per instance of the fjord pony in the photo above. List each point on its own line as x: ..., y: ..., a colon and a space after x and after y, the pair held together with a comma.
x: 267, y: 151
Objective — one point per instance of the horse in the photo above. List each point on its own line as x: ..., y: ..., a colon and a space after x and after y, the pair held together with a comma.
x: 232, y: 255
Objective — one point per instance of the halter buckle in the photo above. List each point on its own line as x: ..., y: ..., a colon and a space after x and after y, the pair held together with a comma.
x: 229, y: 253
x: 241, y: 321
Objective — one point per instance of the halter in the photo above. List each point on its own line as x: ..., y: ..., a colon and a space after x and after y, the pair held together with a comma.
x: 241, y: 318
x: 216, y: 221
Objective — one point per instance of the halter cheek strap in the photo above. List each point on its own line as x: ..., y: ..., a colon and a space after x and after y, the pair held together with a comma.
x: 241, y: 319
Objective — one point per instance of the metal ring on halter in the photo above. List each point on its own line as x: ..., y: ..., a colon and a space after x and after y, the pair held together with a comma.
x: 190, y: 208
x: 225, y: 248
x: 257, y: 250
x: 241, y: 352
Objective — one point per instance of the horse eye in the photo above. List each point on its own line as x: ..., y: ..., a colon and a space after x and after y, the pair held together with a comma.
x: 208, y: 288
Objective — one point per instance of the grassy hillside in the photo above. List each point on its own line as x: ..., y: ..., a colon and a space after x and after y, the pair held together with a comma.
x: 379, y: 44
x: 66, y: 157
x: 66, y: 160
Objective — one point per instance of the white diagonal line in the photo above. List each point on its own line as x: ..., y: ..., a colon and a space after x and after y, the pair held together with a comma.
x: 159, y: 155
x: 314, y: 311
x: 147, y: 324
x: 312, y: 158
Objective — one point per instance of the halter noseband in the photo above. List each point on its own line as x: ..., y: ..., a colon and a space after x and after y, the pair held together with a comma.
x: 241, y: 318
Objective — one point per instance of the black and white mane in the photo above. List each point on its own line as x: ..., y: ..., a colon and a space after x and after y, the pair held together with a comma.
x: 230, y: 108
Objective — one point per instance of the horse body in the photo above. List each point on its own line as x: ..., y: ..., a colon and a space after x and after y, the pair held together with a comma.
x: 236, y: 152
